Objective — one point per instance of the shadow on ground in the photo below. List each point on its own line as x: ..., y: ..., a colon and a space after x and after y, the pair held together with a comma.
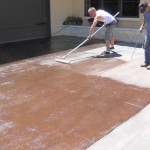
x: 113, y: 54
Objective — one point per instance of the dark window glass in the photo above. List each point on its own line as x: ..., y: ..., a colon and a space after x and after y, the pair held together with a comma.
x: 130, y: 8
x: 111, y: 6
x: 127, y: 8
x: 96, y: 4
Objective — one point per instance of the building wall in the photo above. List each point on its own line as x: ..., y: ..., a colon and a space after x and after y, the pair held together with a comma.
x: 60, y: 9
x: 78, y: 10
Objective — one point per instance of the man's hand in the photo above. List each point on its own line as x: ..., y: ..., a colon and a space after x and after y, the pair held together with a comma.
x: 141, y: 29
x: 89, y: 37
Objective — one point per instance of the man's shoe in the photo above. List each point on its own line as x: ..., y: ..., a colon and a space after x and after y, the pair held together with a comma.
x: 111, y: 48
x: 148, y: 67
x: 144, y: 65
x: 104, y: 53
x: 107, y: 52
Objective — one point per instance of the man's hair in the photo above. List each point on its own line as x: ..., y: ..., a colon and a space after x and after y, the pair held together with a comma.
x: 91, y: 9
x: 142, y: 6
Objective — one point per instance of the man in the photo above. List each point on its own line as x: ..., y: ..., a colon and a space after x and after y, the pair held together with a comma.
x: 110, y: 22
x: 144, y: 8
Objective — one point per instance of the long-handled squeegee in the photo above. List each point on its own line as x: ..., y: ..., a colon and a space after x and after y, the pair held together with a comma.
x: 135, y: 46
x: 63, y: 60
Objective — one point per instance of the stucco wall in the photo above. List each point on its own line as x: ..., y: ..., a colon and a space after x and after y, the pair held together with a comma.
x: 78, y: 10
x: 59, y: 10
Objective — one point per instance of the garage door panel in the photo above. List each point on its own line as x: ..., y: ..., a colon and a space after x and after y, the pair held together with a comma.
x: 19, y: 3
x: 24, y: 19
x: 22, y: 13
x: 17, y: 14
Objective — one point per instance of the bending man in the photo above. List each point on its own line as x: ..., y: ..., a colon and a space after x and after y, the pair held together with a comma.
x: 110, y: 22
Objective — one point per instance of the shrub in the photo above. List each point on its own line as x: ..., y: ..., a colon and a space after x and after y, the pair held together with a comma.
x: 72, y: 20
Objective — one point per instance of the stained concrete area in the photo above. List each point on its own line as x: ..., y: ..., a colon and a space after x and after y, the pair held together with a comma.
x: 45, y: 104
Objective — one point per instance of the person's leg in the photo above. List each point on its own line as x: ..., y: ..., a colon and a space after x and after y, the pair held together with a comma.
x: 107, y: 38
x: 112, y: 41
x: 146, y: 53
x: 107, y: 42
x: 147, y: 56
x: 145, y: 64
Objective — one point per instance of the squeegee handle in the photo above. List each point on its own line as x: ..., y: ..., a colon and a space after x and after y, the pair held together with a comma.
x: 76, y: 48
x: 97, y: 30
x: 135, y: 45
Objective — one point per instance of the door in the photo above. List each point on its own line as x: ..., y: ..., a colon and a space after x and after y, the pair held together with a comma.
x: 24, y: 19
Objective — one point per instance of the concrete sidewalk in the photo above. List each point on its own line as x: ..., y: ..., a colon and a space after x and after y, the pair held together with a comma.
x: 133, y: 134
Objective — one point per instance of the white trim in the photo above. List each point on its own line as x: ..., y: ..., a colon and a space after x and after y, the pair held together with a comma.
x: 86, y: 17
x: 128, y: 19
x: 120, y: 18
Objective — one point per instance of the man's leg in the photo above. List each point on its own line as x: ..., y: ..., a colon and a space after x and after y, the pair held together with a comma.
x: 107, y: 45
x: 108, y: 39
x: 146, y: 53
x: 112, y: 42
x: 147, y: 57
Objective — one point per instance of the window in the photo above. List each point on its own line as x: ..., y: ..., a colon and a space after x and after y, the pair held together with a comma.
x: 127, y: 8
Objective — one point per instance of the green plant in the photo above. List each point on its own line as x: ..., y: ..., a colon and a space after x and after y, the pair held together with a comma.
x: 72, y: 20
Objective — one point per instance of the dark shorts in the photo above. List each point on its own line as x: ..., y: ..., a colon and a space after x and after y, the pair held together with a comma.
x: 110, y: 30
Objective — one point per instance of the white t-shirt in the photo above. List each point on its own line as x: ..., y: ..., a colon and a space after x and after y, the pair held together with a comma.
x: 108, y: 18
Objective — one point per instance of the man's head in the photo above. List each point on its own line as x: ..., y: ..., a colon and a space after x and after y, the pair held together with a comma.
x: 92, y: 11
x: 143, y: 6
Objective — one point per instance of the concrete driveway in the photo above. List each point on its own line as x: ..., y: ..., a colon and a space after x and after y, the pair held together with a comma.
x: 93, y: 103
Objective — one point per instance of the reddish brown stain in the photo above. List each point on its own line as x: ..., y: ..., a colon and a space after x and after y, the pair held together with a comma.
x: 64, y: 107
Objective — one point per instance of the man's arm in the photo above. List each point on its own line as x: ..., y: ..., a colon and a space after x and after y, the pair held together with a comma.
x: 92, y: 27
x: 141, y: 28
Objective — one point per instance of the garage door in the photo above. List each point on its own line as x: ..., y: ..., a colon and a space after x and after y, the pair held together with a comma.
x: 24, y: 19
